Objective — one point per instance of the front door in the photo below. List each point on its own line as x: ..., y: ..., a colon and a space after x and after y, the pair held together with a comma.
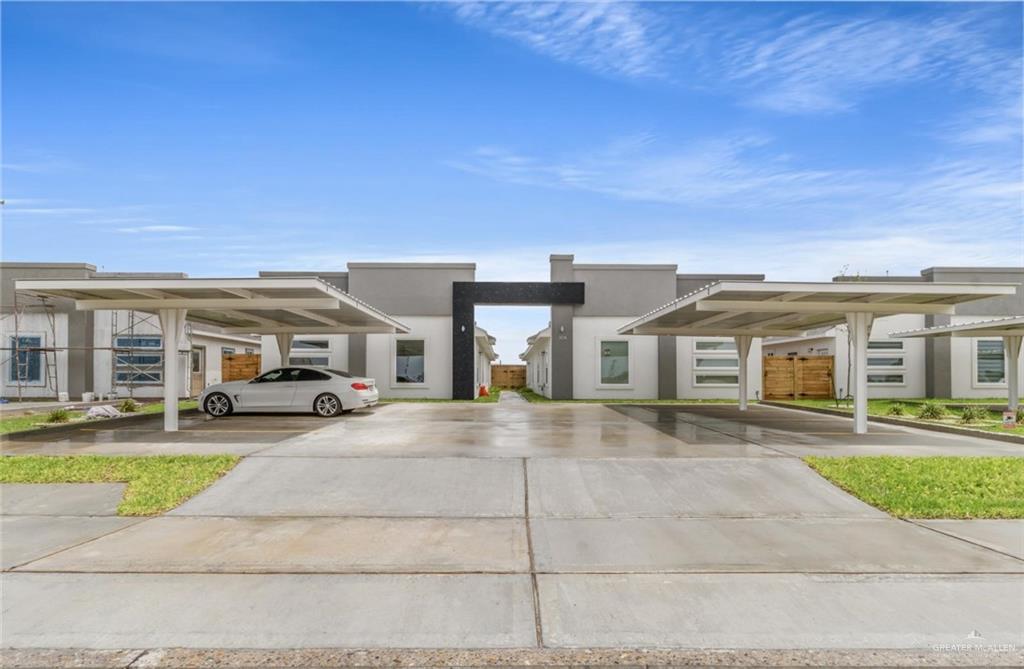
x: 197, y: 379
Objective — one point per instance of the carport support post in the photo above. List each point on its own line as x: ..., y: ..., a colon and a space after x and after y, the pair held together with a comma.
x: 171, y: 322
x: 1011, y: 353
x: 743, y: 349
x: 860, y: 327
x: 284, y: 345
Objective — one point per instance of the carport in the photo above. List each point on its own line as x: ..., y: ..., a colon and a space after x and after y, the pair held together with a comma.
x: 747, y: 309
x: 283, y: 307
x: 1010, y: 329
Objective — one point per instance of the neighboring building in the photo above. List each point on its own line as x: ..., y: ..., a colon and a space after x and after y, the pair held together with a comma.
x: 946, y: 367
x: 537, y: 357
x: 102, y: 352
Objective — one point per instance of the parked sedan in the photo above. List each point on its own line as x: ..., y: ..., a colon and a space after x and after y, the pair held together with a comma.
x: 325, y: 392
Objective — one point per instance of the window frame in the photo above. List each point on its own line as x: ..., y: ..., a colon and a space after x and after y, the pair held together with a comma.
x: 975, y: 383
x: 156, y: 351
x: 630, y: 371
x: 12, y: 372
x: 714, y: 354
x: 887, y: 352
x: 394, y: 382
x: 327, y: 353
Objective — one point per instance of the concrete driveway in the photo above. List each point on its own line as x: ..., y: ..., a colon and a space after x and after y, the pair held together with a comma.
x: 562, y: 526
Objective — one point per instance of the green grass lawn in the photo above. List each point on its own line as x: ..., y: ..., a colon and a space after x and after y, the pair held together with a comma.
x: 991, y: 421
x: 42, y: 417
x: 156, y: 483
x: 932, y: 487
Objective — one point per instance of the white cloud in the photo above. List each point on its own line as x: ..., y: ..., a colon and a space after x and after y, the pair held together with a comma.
x: 606, y: 37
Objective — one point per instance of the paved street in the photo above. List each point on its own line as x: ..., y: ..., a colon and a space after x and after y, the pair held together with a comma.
x: 508, y: 526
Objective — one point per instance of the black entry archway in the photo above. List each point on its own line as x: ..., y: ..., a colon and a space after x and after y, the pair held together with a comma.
x: 467, y: 294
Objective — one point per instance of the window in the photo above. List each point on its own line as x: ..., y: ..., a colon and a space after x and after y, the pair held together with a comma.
x: 310, y: 360
x: 714, y: 345
x: 278, y: 376
x: 884, y: 358
x: 716, y: 379
x: 249, y: 351
x: 310, y: 352
x: 153, y: 341
x: 315, y: 344
x: 614, y: 362
x: 196, y: 358
x: 715, y: 363
x: 27, y: 366
x: 133, y: 366
x: 990, y: 367
x: 227, y: 350
x: 410, y: 356
x: 312, y: 375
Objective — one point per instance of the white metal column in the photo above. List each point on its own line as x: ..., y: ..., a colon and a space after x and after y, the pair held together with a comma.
x: 284, y: 345
x: 171, y: 322
x: 860, y: 327
x: 1011, y: 353
x: 743, y: 350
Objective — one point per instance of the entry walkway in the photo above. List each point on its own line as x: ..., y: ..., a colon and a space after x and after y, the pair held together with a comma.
x: 516, y: 525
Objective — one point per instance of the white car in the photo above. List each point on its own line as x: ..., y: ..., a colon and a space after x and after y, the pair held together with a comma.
x: 325, y: 392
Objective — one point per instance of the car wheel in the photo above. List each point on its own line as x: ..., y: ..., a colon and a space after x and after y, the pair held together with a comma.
x: 217, y: 405
x: 327, y: 405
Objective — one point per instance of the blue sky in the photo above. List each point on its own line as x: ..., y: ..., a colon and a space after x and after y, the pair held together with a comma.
x: 798, y: 140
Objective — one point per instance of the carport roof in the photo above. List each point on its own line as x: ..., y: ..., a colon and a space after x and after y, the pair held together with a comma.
x: 769, y: 308
x: 997, y: 327
x: 301, y: 305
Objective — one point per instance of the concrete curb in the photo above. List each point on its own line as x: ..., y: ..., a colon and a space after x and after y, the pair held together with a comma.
x: 597, y: 657
x: 903, y: 422
x: 70, y: 428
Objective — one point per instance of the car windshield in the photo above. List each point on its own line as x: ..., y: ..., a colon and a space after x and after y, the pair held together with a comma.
x: 341, y: 373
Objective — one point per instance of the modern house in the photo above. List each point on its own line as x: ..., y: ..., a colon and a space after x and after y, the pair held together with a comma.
x: 51, y: 348
x: 909, y: 367
x: 440, y: 352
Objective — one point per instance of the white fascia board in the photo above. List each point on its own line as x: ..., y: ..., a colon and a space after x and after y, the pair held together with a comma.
x: 998, y: 327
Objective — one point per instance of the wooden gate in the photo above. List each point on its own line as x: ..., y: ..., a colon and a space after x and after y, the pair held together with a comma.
x: 791, y: 378
x: 508, y: 376
x: 239, y: 366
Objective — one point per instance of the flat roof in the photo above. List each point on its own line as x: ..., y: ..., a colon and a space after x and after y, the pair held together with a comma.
x: 265, y: 305
x: 775, y: 308
x: 996, y: 327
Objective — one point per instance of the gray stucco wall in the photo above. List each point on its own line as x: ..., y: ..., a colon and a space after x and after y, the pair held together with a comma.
x: 687, y: 283
x: 624, y: 290
x: 337, y: 279
x: 408, y: 289
x: 938, y: 375
x: 561, y: 333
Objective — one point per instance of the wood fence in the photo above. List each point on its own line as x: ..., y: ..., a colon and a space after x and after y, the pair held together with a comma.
x: 239, y: 366
x: 508, y: 376
x: 791, y: 378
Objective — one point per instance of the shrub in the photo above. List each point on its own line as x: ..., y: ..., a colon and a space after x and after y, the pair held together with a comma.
x: 58, y: 416
x: 128, y: 406
x: 1020, y: 415
x: 931, y: 411
x: 896, y: 409
x: 973, y: 413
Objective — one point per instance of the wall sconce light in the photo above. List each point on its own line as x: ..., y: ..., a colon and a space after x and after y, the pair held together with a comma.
x: 463, y: 328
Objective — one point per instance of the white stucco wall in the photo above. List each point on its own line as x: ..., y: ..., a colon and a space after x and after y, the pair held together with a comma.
x: 213, y: 348
x: 686, y: 388
x: 35, y: 325
x: 643, y: 361
x: 538, y: 368
x: 436, y: 331
x: 963, y: 353
x: 270, y: 355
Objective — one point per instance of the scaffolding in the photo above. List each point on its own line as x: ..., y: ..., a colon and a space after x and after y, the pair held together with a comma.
x: 127, y: 358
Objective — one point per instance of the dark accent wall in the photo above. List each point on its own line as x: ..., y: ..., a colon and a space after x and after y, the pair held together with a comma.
x: 467, y: 294
x: 561, y: 333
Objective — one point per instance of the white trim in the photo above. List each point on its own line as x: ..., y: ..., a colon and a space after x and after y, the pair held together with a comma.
x: 393, y: 347
x: 599, y: 339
